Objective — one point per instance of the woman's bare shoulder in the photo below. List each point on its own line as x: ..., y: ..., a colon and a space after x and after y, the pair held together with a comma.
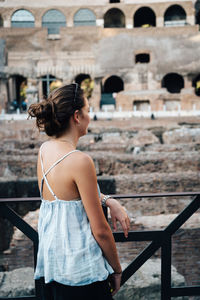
x: 44, y: 145
x: 83, y: 159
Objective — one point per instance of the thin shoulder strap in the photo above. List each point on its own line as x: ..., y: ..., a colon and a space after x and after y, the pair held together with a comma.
x: 45, y: 173
x: 59, y: 160
x: 44, y: 178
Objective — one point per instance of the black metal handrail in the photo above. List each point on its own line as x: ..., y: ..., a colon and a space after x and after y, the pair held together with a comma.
x: 159, y: 239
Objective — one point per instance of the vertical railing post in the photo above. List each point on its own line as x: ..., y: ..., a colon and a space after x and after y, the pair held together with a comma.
x: 166, y: 268
x: 105, y: 210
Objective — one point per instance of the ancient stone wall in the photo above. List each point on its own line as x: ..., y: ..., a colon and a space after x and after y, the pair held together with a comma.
x: 96, y: 51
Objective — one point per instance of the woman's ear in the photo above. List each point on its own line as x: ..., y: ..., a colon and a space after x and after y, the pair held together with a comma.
x: 76, y: 117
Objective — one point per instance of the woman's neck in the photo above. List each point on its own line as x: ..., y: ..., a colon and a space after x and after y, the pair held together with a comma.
x: 71, y: 139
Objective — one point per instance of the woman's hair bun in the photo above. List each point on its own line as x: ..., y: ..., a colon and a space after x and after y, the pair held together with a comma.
x: 53, y: 114
x: 45, y: 114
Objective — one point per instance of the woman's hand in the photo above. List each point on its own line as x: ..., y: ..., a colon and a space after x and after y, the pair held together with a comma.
x: 118, y: 213
x: 114, y: 282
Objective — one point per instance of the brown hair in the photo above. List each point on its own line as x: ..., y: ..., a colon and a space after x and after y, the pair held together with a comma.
x: 53, y: 114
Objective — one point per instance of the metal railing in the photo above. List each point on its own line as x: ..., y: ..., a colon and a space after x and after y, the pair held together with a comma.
x: 158, y: 238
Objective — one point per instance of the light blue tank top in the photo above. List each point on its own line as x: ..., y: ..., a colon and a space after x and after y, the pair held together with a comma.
x: 68, y: 252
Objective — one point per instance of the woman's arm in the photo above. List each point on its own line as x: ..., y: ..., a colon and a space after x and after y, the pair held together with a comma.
x: 117, y: 213
x: 86, y: 181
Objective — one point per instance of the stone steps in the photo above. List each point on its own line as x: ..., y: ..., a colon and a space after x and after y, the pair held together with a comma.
x: 156, y: 183
x: 19, y: 148
x: 114, y: 163
x: 18, y: 166
x: 23, y: 162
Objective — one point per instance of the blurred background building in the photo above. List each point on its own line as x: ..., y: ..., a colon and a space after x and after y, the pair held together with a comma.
x: 139, y: 56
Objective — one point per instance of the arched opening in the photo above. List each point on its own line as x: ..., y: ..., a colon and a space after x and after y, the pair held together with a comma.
x: 196, y: 84
x: 144, y: 17
x: 84, y: 17
x: 47, y: 81
x: 113, y: 18
x: 142, y: 58
x: 53, y: 19
x: 1, y: 21
x: 141, y: 105
x: 112, y: 85
x: 86, y: 83
x: 18, y: 92
x: 173, y: 82
x: 197, y: 12
x: 81, y: 77
x: 22, y: 18
x: 175, y: 15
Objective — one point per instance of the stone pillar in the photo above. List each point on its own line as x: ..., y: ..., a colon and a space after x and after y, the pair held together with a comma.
x: 31, y: 92
x: 191, y: 20
x: 129, y: 23
x: 160, y: 22
x: 40, y: 92
x: 96, y: 95
x: 187, y: 83
x: 70, y: 21
x: 12, y: 88
x: 100, y: 22
x: 38, y: 22
x: 7, y: 22
x: 3, y: 96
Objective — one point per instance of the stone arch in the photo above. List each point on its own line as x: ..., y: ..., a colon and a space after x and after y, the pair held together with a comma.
x: 22, y: 18
x: 81, y: 77
x: 18, y: 90
x: 175, y: 15
x: 144, y: 17
x: 86, y: 83
x: 84, y: 17
x: 1, y: 21
x: 196, y: 84
x: 173, y: 82
x: 113, y: 18
x: 53, y: 19
x: 113, y: 84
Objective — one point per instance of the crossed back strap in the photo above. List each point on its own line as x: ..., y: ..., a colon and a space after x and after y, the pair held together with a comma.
x: 45, y: 173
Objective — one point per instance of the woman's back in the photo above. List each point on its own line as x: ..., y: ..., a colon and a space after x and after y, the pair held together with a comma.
x: 61, y: 176
x: 68, y: 252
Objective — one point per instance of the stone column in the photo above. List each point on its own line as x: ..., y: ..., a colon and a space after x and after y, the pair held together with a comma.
x: 187, y: 83
x: 96, y: 95
x: 100, y: 22
x: 129, y: 23
x: 191, y: 20
x: 3, y: 95
x: 38, y: 22
x: 160, y: 22
x: 7, y: 22
x: 40, y: 92
x: 70, y: 20
x: 12, y: 88
x: 31, y: 92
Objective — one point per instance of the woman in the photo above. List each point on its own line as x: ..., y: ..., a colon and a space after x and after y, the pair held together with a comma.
x: 77, y: 254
